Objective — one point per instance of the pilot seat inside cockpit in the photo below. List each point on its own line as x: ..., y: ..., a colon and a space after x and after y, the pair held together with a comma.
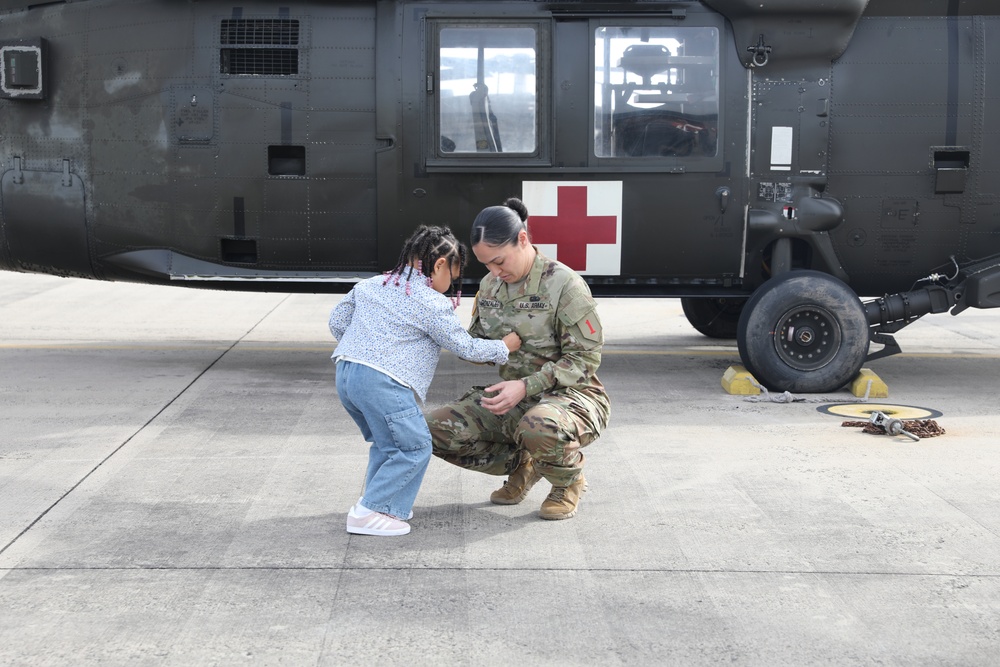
x: 662, y: 114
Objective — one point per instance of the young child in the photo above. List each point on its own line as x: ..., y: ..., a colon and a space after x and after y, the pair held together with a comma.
x: 390, y: 330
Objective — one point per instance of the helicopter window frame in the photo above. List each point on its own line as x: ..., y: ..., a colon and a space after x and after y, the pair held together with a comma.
x: 491, y: 123
x: 688, y: 136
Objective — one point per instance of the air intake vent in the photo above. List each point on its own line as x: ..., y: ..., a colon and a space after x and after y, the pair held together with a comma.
x: 260, y: 32
x: 262, y: 47
x: 262, y: 62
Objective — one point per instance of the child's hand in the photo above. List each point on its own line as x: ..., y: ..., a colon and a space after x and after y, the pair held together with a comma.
x: 512, y: 341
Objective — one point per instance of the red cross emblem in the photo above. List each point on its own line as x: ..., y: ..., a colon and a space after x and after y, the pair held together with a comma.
x: 571, y: 230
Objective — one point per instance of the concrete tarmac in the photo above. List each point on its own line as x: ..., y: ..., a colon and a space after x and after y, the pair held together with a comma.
x: 175, y: 471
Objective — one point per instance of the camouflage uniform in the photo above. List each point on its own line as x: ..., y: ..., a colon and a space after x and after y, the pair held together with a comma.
x: 566, y: 406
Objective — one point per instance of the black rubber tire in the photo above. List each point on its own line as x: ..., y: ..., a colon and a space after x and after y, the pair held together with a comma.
x: 804, y: 331
x: 715, y: 317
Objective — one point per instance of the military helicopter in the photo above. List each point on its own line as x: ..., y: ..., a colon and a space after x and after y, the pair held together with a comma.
x: 772, y: 164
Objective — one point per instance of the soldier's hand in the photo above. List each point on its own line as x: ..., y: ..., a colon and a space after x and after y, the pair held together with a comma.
x: 509, y: 394
x: 512, y: 341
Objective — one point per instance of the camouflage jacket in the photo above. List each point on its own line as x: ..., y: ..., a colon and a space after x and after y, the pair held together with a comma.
x: 555, y: 315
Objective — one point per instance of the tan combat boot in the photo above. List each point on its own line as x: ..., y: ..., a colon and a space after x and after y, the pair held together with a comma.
x: 563, y: 501
x: 516, y: 487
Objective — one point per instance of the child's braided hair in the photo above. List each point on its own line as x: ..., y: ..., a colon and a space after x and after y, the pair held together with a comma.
x: 425, y: 247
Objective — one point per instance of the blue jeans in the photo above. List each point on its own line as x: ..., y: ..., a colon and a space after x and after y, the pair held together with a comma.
x: 389, y: 418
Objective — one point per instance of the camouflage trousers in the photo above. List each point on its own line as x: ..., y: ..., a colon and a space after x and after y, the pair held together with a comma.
x: 552, y: 430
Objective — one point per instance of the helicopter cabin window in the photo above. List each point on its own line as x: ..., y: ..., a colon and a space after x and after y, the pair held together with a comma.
x: 487, y: 91
x: 656, y: 92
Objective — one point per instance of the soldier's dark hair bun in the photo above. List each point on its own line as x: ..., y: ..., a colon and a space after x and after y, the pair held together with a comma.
x: 518, y: 206
x: 500, y: 225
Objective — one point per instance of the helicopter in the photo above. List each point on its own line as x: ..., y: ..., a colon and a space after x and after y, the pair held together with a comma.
x: 808, y: 178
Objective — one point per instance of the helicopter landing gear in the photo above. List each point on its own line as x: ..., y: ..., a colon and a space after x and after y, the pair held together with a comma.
x: 715, y: 317
x: 803, y: 331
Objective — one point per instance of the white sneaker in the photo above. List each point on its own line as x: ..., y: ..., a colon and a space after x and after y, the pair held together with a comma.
x: 375, y: 523
x: 357, y: 504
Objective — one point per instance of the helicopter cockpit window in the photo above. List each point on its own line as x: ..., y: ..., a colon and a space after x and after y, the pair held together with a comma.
x: 656, y: 92
x: 487, y: 93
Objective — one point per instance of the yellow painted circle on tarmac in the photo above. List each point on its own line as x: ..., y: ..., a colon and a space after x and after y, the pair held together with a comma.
x: 865, y: 410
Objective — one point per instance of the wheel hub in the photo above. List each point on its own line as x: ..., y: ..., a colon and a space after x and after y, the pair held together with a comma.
x: 807, y: 338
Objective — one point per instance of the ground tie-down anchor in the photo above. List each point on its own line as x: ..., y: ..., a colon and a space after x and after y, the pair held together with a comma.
x: 890, y: 425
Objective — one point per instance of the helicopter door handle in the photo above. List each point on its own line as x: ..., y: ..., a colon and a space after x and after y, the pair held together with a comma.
x: 723, y: 195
